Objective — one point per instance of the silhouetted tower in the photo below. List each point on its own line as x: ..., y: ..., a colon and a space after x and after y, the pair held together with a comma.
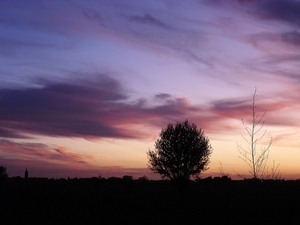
x: 26, y: 174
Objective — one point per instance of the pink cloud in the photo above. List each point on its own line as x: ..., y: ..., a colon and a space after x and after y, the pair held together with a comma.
x: 39, y: 152
x: 88, y: 111
x: 103, y: 110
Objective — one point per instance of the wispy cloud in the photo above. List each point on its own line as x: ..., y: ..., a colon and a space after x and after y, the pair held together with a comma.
x: 56, y: 161
x: 241, y: 109
x: 292, y: 37
x: 283, y: 58
x: 269, y: 41
x: 148, y: 19
x: 39, y: 152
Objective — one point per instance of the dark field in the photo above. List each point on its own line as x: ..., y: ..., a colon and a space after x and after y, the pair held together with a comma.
x: 95, y: 201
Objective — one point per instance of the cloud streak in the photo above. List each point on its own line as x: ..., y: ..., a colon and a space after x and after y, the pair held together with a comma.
x: 241, y: 109
x: 103, y: 110
x: 87, y: 110
x: 148, y: 19
x: 56, y: 161
x: 40, y: 152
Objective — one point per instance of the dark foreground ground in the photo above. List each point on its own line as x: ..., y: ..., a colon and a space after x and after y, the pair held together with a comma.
x: 94, y: 201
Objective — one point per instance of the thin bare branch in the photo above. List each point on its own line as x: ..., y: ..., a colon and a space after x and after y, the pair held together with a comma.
x: 222, y: 170
x: 256, y: 161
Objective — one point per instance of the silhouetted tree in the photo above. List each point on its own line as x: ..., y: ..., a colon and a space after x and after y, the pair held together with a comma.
x: 254, y: 159
x: 181, y: 152
x: 3, y: 173
x: 127, y: 178
x: 143, y: 178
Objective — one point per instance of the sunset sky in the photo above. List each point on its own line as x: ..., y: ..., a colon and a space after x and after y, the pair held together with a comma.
x: 86, y: 86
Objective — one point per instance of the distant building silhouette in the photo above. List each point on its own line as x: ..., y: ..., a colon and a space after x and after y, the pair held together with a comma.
x: 26, y: 174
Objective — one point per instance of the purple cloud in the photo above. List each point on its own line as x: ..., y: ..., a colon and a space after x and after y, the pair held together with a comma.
x: 102, y: 109
x: 241, y: 109
x: 282, y: 10
x: 282, y: 58
x: 263, y: 40
x: 292, y: 38
x: 61, y: 109
x: 88, y: 110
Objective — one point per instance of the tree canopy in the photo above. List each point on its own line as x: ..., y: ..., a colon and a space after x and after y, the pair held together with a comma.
x: 3, y: 173
x: 181, y: 151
